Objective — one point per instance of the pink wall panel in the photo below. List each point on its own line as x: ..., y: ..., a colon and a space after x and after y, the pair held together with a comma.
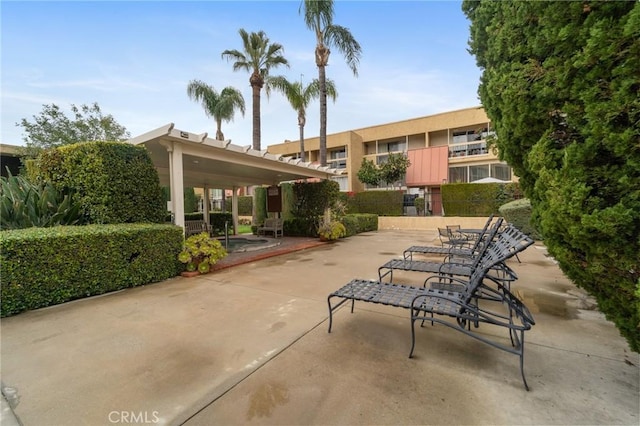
x: 429, y: 166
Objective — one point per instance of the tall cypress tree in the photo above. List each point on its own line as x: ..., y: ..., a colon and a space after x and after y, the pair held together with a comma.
x: 561, y: 84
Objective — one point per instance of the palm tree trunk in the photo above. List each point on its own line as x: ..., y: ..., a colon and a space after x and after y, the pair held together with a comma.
x: 322, y: 77
x: 256, y: 117
x: 219, y: 134
x: 302, y: 154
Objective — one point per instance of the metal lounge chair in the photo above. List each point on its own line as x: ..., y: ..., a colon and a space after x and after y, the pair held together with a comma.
x: 455, y: 309
x: 456, y: 250
x: 514, y: 240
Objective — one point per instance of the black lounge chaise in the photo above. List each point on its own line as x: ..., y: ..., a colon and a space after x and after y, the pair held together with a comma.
x: 464, y: 248
x: 510, y: 237
x: 471, y: 305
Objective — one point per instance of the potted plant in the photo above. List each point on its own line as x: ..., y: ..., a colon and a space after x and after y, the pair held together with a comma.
x: 200, y: 252
x: 329, y: 229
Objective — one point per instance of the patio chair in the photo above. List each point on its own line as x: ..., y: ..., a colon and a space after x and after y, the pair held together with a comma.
x: 471, y: 303
x: 510, y: 240
x: 449, y: 239
x: 452, y: 250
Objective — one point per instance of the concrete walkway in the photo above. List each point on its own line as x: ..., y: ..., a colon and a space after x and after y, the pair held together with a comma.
x: 249, y: 345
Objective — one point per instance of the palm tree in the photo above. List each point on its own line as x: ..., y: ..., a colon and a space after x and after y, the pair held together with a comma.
x: 221, y: 106
x: 318, y: 16
x: 258, y: 57
x: 299, y: 96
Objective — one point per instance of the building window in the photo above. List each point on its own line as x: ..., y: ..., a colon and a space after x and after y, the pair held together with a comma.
x: 501, y: 171
x: 337, y: 154
x: 457, y: 174
x: 478, y: 172
x: 343, y: 182
x: 369, y: 148
x: 396, y: 147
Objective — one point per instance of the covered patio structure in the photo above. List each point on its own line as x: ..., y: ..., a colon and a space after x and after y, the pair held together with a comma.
x: 185, y: 159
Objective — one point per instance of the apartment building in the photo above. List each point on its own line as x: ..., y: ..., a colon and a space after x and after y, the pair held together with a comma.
x: 442, y: 148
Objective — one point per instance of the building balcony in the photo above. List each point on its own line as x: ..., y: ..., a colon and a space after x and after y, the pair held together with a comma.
x: 468, y: 149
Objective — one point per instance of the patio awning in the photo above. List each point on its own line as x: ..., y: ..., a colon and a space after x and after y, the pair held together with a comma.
x: 221, y: 164
x: 185, y: 159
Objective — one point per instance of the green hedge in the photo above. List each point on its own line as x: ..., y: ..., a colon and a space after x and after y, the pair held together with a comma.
x: 354, y: 224
x: 381, y: 203
x: 114, y: 182
x: 300, y: 227
x: 260, y: 196
x: 477, y: 199
x: 245, y: 205
x: 518, y: 213
x: 359, y: 222
x: 47, y: 266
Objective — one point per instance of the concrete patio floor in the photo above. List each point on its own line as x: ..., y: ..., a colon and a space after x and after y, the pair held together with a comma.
x: 248, y: 344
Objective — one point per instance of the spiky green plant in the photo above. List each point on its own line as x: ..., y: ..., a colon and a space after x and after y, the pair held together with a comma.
x: 24, y: 204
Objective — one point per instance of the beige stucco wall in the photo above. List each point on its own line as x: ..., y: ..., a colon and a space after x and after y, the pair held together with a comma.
x: 429, y: 222
x: 415, y: 127
x: 423, y: 222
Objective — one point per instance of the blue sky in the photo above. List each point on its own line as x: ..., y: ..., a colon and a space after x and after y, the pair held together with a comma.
x: 135, y: 60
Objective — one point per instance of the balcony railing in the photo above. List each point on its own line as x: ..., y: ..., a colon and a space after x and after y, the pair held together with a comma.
x: 340, y: 164
x: 468, y: 149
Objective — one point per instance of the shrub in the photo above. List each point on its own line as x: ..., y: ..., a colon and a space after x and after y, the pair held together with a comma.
x: 563, y: 99
x: 245, y: 205
x: 260, y: 197
x: 300, y: 227
x: 418, y: 202
x: 518, y: 213
x: 331, y: 230
x: 381, y: 203
x: 191, y: 200
x: 47, y: 266
x: 360, y: 222
x: 477, y: 199
x: 200, y: 252
x: 313, y: 198
x: 218, y: 220
x: 24, y: 204
x: 115, y: 182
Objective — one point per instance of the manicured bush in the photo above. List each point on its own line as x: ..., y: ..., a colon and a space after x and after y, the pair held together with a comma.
x: 260, y: 198
x: 288, y: 200
x: 518, y: 213
x: 312, y: 198
x: 218, y: 220
x: 300, y: 227
x: 191, y: 200
x: 477, y: 199
x: 47, y: 266
x: 359, y: 222
x: 381, y: 203
x: 419, y: 204
x: 114, y: 182
x: 245, y: 205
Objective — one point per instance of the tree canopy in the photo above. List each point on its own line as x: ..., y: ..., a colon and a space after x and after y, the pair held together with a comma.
x: 53, y: 128
x: 391, y: 171
x: 258, y: 57
x: 221, y: 106
x: 299, y: 97
x: 561, y: 84
x: 318, y: 17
